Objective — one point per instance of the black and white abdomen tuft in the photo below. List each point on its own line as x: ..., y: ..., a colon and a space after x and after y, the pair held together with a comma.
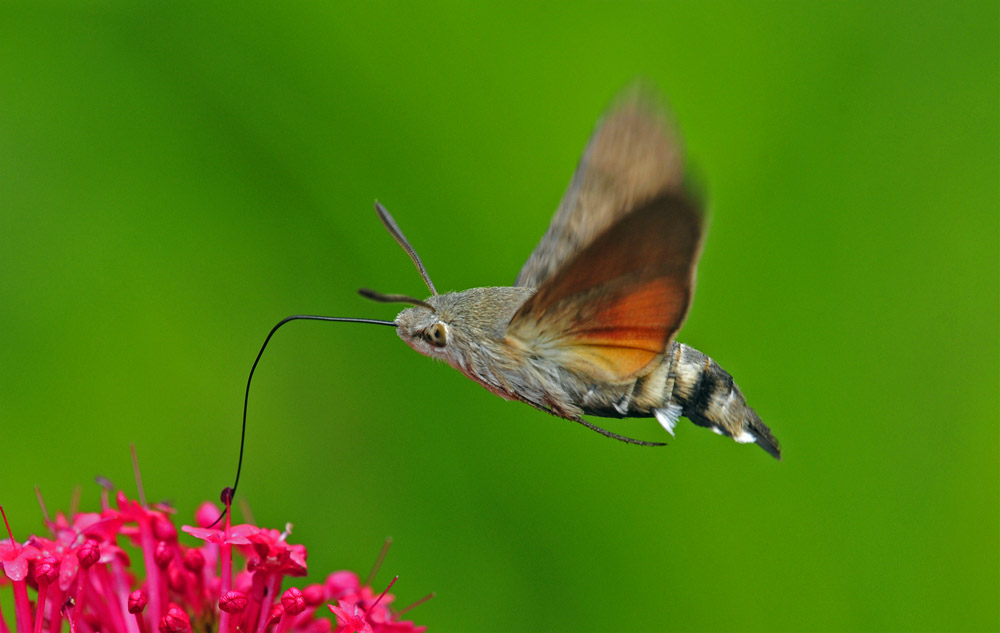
x: 705, y: 393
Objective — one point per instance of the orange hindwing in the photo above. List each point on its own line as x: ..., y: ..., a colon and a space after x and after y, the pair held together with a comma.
x: 616, y: 305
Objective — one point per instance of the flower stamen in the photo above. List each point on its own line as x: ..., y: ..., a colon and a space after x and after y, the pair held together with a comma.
x: 378, y: 561
x: 414, y: 605
x: 381, y: 595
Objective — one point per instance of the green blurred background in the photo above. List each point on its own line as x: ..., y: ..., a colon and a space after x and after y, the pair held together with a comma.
x: 175, y: 178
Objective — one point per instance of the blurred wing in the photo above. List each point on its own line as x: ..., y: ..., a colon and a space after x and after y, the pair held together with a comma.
x: 634, y: 155
x: 615, y: 306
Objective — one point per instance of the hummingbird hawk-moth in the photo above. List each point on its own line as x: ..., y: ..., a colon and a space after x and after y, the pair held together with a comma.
x: 588, y: 326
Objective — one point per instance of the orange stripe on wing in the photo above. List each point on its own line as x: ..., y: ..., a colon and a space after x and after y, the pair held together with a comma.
x: 609, y: 364
x: 612, y: 309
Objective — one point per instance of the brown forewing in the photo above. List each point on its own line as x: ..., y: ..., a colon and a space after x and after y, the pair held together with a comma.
x: 634, y: 155
x: 616, y: 305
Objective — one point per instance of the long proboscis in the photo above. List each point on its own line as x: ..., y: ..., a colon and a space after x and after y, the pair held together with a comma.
x: 246, y: 396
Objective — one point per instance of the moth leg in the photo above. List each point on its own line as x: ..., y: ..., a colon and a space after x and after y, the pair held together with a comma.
x: 620, y: 438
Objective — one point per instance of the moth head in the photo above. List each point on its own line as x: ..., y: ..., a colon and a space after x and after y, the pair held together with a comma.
x: 456, y: 327
x: 424, y: 328
x: 452, y: 326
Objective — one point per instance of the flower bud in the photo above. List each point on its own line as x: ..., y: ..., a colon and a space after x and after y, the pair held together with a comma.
x: 177, y: 580
x: 293, y: 601
x: 194, y: 560
x: 314, y: 595
x: 206, y: 515
x: 164, y: 530
x: 163, y: 554
x: 89, y: 553
x: 233, y: 602
x: 342, y: 583
x: 137, y: 601
x: 46, y: 570
x: 175, y: 621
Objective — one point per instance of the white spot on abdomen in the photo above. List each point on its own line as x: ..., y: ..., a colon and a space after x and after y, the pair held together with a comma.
x: 667, y: 416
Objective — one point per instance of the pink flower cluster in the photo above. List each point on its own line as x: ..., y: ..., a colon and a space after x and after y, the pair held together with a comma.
x: 83, y: 575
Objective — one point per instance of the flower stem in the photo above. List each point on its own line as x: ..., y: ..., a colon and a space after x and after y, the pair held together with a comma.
x: 110, y: 610
x: 140, y: 622
x: 153, y: 578
x: 226, y: 565
x: 56, y: 600
x: 73, y: 610
x: 22, y: 607
x: 43, y: 590
x: 273, y: 588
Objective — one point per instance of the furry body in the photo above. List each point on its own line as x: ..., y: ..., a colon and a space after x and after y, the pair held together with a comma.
x: 682, y: 382
x: 589, y: 325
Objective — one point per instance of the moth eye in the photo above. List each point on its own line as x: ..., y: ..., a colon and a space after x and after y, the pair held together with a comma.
x: 436, y: 335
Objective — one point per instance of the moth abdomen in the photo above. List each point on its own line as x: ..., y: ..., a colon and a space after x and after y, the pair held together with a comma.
x: 706, y: 394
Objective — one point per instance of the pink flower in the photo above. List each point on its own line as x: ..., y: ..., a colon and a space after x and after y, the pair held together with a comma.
x: 238, y: 534
x: 342, y: 583
x: 350, y: 618
x: 83, y: 575
x: 15, y: 559
x: 276, y: 555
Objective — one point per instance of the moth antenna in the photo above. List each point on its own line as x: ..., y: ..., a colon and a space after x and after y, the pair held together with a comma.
x: 615, y: 436
x: 367, y: 293
x: 397, y: 235
x: 231, y: 492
